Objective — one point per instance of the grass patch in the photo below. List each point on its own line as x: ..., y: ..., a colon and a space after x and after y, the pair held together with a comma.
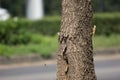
x: 44, y: 46
x: 107, y: 15
x: 106, y: 41
x: 47, y: 45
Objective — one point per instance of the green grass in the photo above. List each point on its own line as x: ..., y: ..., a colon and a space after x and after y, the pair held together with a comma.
x: 107, y: 15
x: 106, y: 41
x: 43, y: 46
x: 46, y: 45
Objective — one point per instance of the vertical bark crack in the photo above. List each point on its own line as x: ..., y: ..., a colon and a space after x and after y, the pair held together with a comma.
x: 63, y: 41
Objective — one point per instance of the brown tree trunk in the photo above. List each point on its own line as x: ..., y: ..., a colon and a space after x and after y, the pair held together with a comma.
x: 75, y: 54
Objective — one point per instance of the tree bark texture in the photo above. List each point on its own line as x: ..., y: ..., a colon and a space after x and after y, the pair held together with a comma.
x: 75, y: 53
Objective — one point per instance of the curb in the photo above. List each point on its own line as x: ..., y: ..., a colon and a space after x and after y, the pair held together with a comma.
x: 35, y: 57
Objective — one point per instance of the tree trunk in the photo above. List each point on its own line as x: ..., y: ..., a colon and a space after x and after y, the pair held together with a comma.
x: 75, y: 53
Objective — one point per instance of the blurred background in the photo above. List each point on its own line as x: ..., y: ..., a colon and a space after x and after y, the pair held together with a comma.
x: 28, y: 33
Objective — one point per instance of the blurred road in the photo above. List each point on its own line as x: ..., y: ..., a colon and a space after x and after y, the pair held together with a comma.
x: 105, y: 70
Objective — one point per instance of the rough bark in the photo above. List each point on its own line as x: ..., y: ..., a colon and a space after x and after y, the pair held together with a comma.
x: 75, y: 53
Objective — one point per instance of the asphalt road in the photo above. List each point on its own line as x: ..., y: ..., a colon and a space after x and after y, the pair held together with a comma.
x: 105, y: 70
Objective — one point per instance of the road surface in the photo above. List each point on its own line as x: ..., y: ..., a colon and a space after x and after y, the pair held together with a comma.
x: 105, y: 70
